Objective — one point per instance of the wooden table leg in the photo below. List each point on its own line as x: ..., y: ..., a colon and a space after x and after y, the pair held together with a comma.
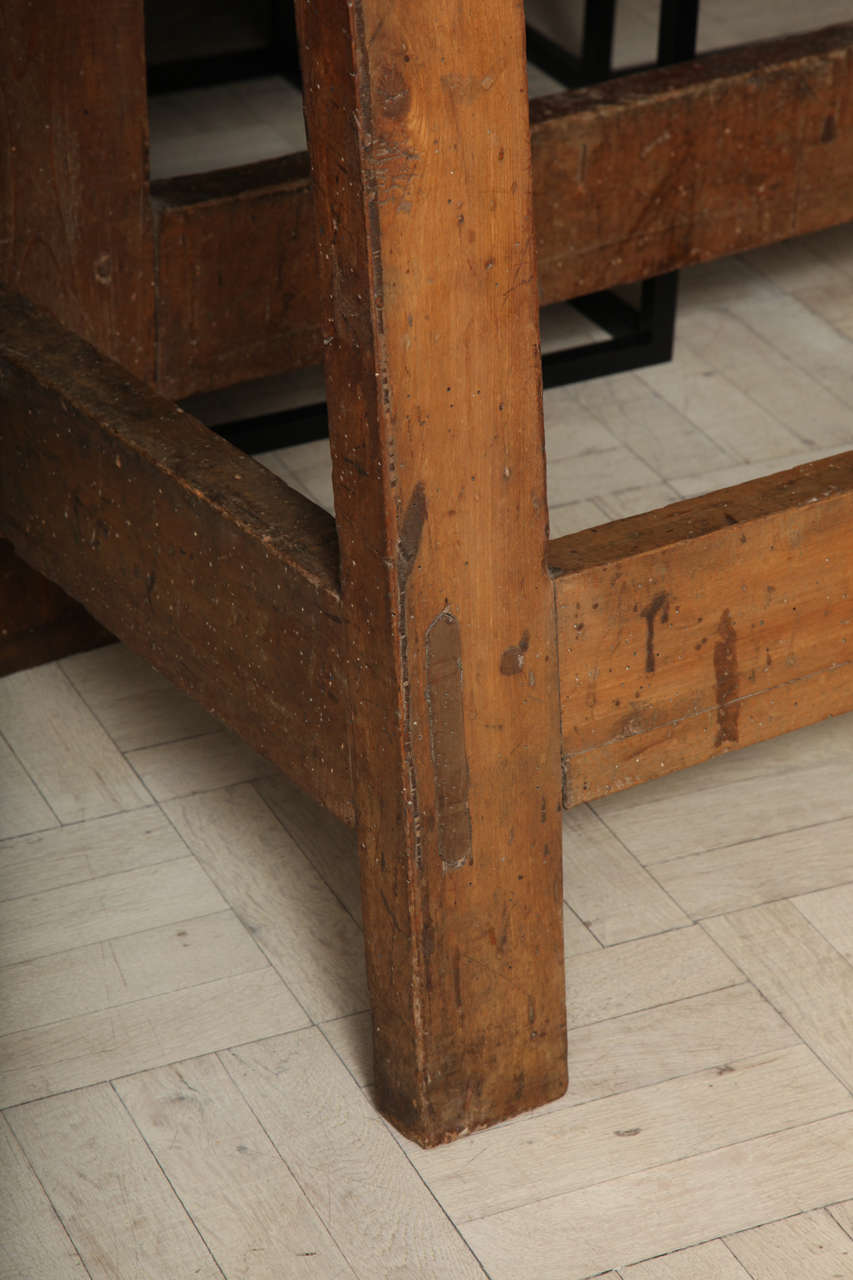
x: 419, y: 139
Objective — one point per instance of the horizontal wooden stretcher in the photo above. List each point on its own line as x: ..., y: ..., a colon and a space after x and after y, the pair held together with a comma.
x: 427, y: 665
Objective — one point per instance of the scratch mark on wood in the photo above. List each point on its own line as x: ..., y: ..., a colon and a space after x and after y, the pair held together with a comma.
x: 658, y: 606
x: 447, y: 740
x: 726, y: 671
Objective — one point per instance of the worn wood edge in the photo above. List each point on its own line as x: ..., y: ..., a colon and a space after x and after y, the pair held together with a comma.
x: 701, y: 517
x: 198, y: 206
x: 63, y: 397
x: 707, y: 70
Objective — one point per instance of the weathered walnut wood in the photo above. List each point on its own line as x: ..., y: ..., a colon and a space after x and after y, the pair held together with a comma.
x: 705, y: 626
x: 75, y: 225
x: 418, y: 126
x: 650, y: 173
x: 237, y: 290
x: 201, y: 560
x: 38, y: 621
x: 638, y: 176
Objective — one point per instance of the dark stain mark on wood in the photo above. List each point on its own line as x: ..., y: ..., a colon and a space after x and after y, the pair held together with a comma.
x: 829, y: 129
x: 447, y: 740
x: 409, y: 541
x: 627, y: 1133
x: 512, y: 659
x: 726, y: 672
x: 393, y: 92
x: 660, y: 605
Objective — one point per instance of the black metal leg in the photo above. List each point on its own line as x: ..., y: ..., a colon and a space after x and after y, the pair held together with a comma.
x: 679, y: 20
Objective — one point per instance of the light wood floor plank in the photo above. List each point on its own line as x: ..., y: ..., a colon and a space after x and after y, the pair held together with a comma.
x: 828, y: 742
x: 644, y: 973
x: 711, y: 1261
x: 148, y: 1033
x: 136, y: 705
x: 197, y: 764
x: 539, y: 1157
x: 33, y: 1242
x: 85, y: 850
x: 22, y: 807
x: 75, y: 765
x: 376, y: 1207
x: 762, y: 870
x: 107, y: 907
x: 843, y: 1215
x: 243, y: 1199
x: 741, y: 810
x: 577, y: 939
x: 810, y: 1244
x: 831, y: 911
x: 799, y: 972
x: 294, y: 917
x: 670, y: 1207
x: 612, y: 894
x: 121, y: 970
x: 118, y: 1208
x: 327, y: 843
x: 350, y: 1038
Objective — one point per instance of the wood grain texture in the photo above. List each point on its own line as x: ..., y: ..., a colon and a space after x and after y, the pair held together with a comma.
x: 799, y: 972
x: 328, y: 844
x: 678, y: 137
x: 121, y: 970
x: 831, y: 911
x: 84, y: 850
x: 644, y: 973
x: 146, y: 1033
x: 809, y: 1244
x: 714, y: 623
x: 203, y: 763
x: 735, y: 149
x: 208, y: 565
x: 420, y: 153
x: 711, y: 1261
x: 551, y: 1155
x: 35, y: 1242
x: 685, y: 1202
x: 760, y: 870
x: 135, y: 1226
x: 75, y: 764
x: 244, y: 1201
x: 378, y: 1210
x: 634, y: 1050
x: 611, y: 892
x: 106, y: 907
x: 137, y: 706
x: 294, y: 917
x: 24, y: 807
x: 75, y: 225
x: 224, y: 317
